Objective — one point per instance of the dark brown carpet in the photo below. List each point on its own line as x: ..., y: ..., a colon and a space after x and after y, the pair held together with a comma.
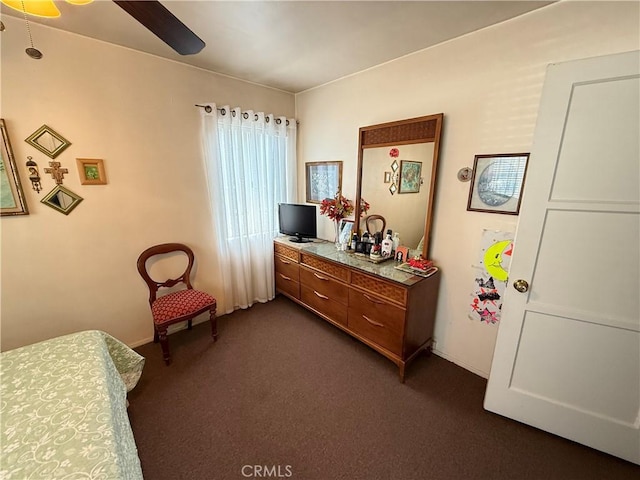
x: 281, y: 387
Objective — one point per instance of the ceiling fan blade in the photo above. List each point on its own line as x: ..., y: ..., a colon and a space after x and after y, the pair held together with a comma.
x: 164, y: 24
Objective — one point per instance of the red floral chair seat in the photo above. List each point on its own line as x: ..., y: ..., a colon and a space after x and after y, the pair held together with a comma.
x: 179, y: 304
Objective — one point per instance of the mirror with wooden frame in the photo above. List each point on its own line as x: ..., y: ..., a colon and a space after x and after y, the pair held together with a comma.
x: 397, y: 171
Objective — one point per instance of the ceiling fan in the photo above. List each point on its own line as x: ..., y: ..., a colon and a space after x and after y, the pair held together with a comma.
x: 164, y: 24
x: 150, y: 13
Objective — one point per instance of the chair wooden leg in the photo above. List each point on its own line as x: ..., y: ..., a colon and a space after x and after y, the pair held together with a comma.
x: 189, y: 324
x: 155, y: 336
x: 214, y: 323
x: 164, y: 343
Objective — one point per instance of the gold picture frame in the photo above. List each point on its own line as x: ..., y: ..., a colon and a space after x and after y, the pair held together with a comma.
x: 12, y: 200
x: 62, y: 199
x: 91, y: 171
x: 48, y: 141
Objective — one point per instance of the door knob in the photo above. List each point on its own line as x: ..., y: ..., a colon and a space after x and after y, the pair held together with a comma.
x: 521, y: 285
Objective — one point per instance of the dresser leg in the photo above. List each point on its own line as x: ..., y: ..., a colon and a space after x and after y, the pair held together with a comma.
x: 401, y: 372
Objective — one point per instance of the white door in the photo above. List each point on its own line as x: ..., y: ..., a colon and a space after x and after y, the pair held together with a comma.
x: 567, y: 357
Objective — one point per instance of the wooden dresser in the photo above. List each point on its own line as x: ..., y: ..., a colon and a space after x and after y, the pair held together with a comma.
x: 391, y: 311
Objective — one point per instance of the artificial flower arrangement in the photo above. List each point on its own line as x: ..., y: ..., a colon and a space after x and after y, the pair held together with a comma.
x: 341, y: 207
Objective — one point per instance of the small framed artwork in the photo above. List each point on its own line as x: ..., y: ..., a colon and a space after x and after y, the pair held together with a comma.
x: 497, y: 183
x: 410, y: 176
x: 91, y: 171
x: 12, y: 200
x: 402, y: 254
x: 344, y: 231
x: 387, y: 177
x: 324, y: 180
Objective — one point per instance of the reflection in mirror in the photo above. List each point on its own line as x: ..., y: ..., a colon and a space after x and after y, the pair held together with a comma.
x: 62, y: 199
x: 48, y: 141
x: 405, y: 213
x: 397, y: 170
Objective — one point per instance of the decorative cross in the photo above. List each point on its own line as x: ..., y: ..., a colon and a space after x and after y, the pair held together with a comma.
x: 56, y: 172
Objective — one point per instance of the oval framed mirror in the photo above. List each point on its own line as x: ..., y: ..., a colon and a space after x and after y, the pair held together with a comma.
x: 397, y: 171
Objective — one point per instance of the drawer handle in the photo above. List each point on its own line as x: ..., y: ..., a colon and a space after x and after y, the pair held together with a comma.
x: 320, y: 295
x: 320, y: 277
x: 285, y: 277
x: 372, y: 322
x: 372, y: 300
x: 284, y: 261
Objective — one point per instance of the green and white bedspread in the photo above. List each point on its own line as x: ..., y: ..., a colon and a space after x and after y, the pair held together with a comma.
x: 63, y: 409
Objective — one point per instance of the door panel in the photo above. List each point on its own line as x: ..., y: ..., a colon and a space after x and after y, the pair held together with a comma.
x: 551, y: 373
x: 578, y: 249
x: 567, y: 356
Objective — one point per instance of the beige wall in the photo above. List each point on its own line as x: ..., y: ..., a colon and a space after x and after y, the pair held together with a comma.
x: 60, y: 273
x: 488, y: 85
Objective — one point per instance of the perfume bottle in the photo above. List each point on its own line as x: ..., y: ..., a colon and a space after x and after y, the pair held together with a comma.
x: 387, y: 245
x: 396, y: 241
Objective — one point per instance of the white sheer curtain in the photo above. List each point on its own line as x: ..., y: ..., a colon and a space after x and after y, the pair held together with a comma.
x: 250, y: 162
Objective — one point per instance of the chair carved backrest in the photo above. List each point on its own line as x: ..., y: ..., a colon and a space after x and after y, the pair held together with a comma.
x: 370, y: 223
x: 164, y: 248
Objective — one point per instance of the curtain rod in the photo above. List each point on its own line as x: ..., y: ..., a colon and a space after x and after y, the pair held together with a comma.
x: 245, y: 115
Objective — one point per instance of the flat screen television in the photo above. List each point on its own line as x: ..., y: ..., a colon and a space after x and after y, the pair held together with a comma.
x: 298, y: 220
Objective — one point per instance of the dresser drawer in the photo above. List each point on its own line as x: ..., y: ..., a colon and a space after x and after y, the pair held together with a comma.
x: 380, y: 288
x: 336, y: 271
x: 288, y: 285
x: 287, y: 267
x: 288, y: 252
x: 376, y: 320
x: 324, y: 304
x: 323, y: 284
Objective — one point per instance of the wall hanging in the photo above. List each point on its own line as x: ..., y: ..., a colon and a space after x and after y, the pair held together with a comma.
x: 34, y: 174
x: 91, y: 171
x: 491, y: 275
x: 324, y: 180
x: 12, y: 201
x: 62, y: 199
x: 497, y: 183
x: 48, y: 141
x: 56, y: 171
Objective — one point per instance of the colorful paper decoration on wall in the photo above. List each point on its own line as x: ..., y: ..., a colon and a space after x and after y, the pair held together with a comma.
x: 491, y: 275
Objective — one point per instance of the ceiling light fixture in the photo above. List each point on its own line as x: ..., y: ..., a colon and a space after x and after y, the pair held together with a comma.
x: 40, y: 8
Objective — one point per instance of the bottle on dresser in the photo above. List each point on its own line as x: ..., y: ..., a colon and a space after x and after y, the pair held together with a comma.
x: 387, y: 245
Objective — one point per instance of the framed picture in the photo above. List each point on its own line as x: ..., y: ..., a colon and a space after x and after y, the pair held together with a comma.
x: 387, y: 177
x: 497, y: 183
x: 324, y: 180
x: 402, y: 254
x: 345, y: 230
x: 91, y: 171
x: 410, y: 176
x: 12, y: 201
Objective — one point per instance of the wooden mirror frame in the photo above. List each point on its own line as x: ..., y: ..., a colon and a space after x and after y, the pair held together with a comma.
x: 427, y: 129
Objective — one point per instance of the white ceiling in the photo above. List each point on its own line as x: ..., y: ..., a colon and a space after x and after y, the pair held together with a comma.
x: 291, y: 45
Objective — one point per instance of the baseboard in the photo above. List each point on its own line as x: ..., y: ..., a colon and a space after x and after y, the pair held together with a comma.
x: 172, y: 329
x: 461, y: 363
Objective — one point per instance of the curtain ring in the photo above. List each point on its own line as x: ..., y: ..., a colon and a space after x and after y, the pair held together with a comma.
x: 223, y: 112
x: 278, y: 121
x: 256, y: 117
x: 245, y: 115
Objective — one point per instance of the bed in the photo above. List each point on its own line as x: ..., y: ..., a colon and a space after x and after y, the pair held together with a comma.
x: 63, y: 409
